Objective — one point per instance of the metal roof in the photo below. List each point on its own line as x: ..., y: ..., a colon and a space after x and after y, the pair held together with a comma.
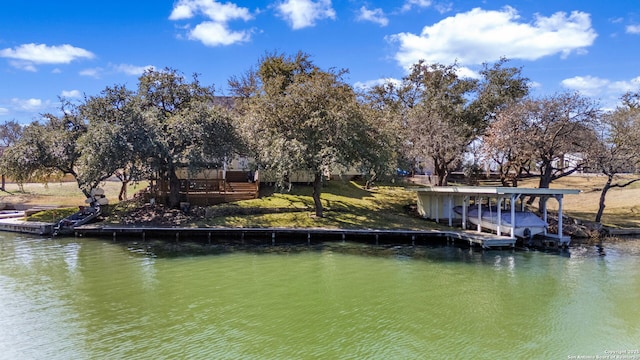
x: 491, y: 190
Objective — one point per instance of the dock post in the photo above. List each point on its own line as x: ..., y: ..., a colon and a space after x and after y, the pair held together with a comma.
x: 273, y: 238
x: 242, y: 237
x: 114, y: 236
x: 177, y: 236
x: 209, y: 237
x: 144, y: 236
x: 450, y: 207
x: 413, y: 240
x: 308, y: 238
x: 376, y: 239
x: 559, y: 199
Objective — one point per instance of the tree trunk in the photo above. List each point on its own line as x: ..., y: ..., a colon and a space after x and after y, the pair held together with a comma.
x: 123, y: 190
x: 603, y: 195
x: 317, y: 190
x: 369, y: 183
x: 443, y: 177
x: 442, y: 172
x: 3, y: 183
x: 546, y: 174
x: 174, y: 189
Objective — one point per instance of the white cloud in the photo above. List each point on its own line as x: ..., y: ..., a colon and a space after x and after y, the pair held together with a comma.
x: 410, y: 4
x: 626, y: 86
x: 215, y: 31
x: 371, y: 83
x: 534, y: 85
x: 443, y: 7
x: 465, y: 72
x: 183, y: 10
x: 92, y: 72
x: 126, y: 69
x: 481, y: 36
x: 23, y: 109
x: 633, y: 29
x: 71, y: 94
x: 304, y: 13
x: 609, y: 92
x: 587, y: 85
x: 23, y: 65
x: 26, y: 55
x: 376, y: 15
x: 218, y: 12
x: 29, y: 105
x: 131, y: 69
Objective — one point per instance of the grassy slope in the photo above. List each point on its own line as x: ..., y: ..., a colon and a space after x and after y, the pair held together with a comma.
x: 622, y: 204
x: 346, y: 205
x: 350, y: 206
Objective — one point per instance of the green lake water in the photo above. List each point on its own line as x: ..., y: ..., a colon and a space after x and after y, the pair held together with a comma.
x: 93, y: 299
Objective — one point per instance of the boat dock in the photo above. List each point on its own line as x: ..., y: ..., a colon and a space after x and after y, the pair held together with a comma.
x: 266, y: 236
x: 297, y: 235
x: 26, y: 227
x: 440, y: 202
x: 270, y: 236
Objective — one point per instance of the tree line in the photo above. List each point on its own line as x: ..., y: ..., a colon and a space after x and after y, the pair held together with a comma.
x: 288, y: 114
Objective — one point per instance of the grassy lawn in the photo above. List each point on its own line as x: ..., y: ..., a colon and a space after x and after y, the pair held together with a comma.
x: 622, y: 204
x: 63, y: 194
x: 347, y: 204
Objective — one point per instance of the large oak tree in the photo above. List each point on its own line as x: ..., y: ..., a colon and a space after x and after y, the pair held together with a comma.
x: 49, y: 149
x: 296, y: 116
x: 116, y: 142
x: 442, y: 112
x: 536, y: 135
x: 618, y: 151
x: 183, y: 125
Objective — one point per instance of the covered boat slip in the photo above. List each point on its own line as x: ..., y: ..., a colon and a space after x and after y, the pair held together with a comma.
x: 504, y: 204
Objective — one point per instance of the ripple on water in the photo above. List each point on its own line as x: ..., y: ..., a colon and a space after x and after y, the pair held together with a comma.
x: 90, y: 299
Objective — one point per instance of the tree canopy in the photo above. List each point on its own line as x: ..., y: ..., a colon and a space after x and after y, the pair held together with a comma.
x: 617, y: 150
x: 167, y: 123
x: 442, y: 112
x: 535, y: 135
x: 47, y: 150
x: 296, y: 116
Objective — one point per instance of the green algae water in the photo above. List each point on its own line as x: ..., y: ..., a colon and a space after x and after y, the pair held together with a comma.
x: 93, y: 299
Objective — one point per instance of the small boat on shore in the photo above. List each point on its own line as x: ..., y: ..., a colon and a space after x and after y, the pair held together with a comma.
x: 84, y: 215
x: 525, y: 224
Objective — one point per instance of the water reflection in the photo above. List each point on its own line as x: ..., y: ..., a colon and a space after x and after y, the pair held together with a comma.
x: 86, y: 298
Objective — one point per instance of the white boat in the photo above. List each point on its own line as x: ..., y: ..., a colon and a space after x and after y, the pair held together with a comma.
x: 525, y: 223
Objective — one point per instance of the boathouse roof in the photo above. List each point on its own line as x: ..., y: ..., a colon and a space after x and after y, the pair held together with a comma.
x: 493, y: 190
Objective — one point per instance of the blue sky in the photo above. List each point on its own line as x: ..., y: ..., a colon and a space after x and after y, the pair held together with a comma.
x: 70, y: 48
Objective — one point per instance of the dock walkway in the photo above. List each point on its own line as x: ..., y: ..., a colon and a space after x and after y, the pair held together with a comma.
x: 269, y: 235
x: 26, y: 227
x: 298, y: 235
